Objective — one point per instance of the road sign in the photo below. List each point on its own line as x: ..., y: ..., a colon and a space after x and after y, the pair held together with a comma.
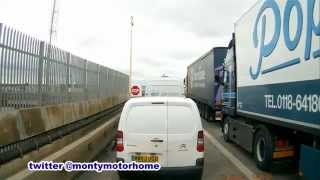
x: 135, y: 90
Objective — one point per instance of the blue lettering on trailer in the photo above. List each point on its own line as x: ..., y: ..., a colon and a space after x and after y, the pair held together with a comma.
x: 299, y: 101
x: 267, y: 48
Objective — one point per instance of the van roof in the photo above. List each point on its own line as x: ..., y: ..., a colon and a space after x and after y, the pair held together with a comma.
x: 160, y: 99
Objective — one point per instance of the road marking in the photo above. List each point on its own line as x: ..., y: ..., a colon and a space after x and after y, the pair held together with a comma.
x: 247, y: 172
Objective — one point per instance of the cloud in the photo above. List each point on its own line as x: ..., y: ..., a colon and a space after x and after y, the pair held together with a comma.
x: 92, y: 42
x: 149, y: 61
x: 206, y: 18
x: 167, y: 36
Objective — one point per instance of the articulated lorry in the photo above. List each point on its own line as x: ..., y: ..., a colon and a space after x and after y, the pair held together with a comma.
x: 272, y: 84
x: 202, y: 85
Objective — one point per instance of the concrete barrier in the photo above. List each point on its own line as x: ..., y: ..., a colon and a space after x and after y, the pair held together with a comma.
x: 69, y: 113
x: 8, y: 127
x: 53, y: 115
x: 93, y: 107
x: 76, y: 110
x: 32, y: 122
x: 82, y: 110
x: 82, y: 150
x: 18, y: 164
x: 107, y: 103
x: 23, y: 123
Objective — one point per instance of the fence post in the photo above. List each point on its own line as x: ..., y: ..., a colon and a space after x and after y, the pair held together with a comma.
x: 1, y: 67
x: 86, y: 95
x: 98, y: 85
x: 40, y: 73
x: 68, y: 77
x: 47, y: 73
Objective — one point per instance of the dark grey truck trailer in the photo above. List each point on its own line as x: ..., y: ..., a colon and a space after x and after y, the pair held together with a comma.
x: 201, y: 83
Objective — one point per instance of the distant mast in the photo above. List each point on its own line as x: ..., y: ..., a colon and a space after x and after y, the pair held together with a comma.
x: 130, y: 64
x: 53, y: 22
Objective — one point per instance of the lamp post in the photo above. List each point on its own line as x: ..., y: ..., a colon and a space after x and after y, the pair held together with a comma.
x: 130, y: 71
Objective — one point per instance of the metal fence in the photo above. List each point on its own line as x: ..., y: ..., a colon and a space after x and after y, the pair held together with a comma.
x: 33, y: 73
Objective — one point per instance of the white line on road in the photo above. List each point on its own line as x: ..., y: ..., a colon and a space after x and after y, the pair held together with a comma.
x: 247, y: 172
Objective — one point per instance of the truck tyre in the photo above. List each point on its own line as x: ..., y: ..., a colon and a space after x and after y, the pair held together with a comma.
x: 212, y: 115
x: 205, y: 112
x: 200, y: 109
x: 226, y: 130
x: 263, y: 148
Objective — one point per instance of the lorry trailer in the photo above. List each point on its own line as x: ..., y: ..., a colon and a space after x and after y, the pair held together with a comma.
x: 201, y: 83
x: 271, y: 84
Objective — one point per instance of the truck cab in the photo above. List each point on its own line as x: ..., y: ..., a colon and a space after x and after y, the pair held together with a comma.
x: 229, y: 81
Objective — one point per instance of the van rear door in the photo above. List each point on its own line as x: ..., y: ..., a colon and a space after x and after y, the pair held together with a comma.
x: 146, y: 133
x: 182, y: 135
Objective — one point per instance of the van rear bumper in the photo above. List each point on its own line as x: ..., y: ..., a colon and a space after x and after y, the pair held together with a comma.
x: 192, y: 170
x: 188, y: 170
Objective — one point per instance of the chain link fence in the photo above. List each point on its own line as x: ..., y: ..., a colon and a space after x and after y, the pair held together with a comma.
x: 34, y: 73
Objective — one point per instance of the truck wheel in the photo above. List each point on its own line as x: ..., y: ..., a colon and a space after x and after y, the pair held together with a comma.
x: 205, y: 112
x: 226, y: 130
x: 212, y: 115
x: 263, y: 148
x: 201, y: 110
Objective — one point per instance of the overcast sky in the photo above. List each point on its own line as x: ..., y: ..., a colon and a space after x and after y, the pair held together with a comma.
x: 168, y: 34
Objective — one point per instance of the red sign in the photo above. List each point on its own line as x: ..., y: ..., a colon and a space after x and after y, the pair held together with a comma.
x: 135, y: 90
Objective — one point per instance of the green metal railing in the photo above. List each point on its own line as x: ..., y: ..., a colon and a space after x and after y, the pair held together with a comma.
x: 34, y: 73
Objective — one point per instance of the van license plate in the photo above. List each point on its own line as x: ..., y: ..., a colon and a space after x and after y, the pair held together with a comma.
x: 145, y: 158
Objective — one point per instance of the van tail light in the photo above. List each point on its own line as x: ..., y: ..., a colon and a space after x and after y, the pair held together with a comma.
x: 119, y: 139
x: 200, y: 142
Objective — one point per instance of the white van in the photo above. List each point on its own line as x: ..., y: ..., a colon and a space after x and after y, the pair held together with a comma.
x: 165, y: 87
x: 167, y: 130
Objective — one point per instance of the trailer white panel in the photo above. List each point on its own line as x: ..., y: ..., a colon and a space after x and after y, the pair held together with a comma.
x: 278, y: 61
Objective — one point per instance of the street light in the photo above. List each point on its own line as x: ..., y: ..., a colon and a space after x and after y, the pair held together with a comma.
x: 130, y: 75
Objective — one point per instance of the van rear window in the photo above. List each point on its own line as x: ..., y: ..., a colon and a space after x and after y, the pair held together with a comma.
x: 180, y: 120
x: 147, y: 119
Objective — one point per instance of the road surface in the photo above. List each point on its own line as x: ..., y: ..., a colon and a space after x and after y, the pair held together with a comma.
x: 225, y: 161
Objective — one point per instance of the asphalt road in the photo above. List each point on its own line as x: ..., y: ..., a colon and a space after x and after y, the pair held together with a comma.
x: 225, y: 161
x: 278, y: 172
